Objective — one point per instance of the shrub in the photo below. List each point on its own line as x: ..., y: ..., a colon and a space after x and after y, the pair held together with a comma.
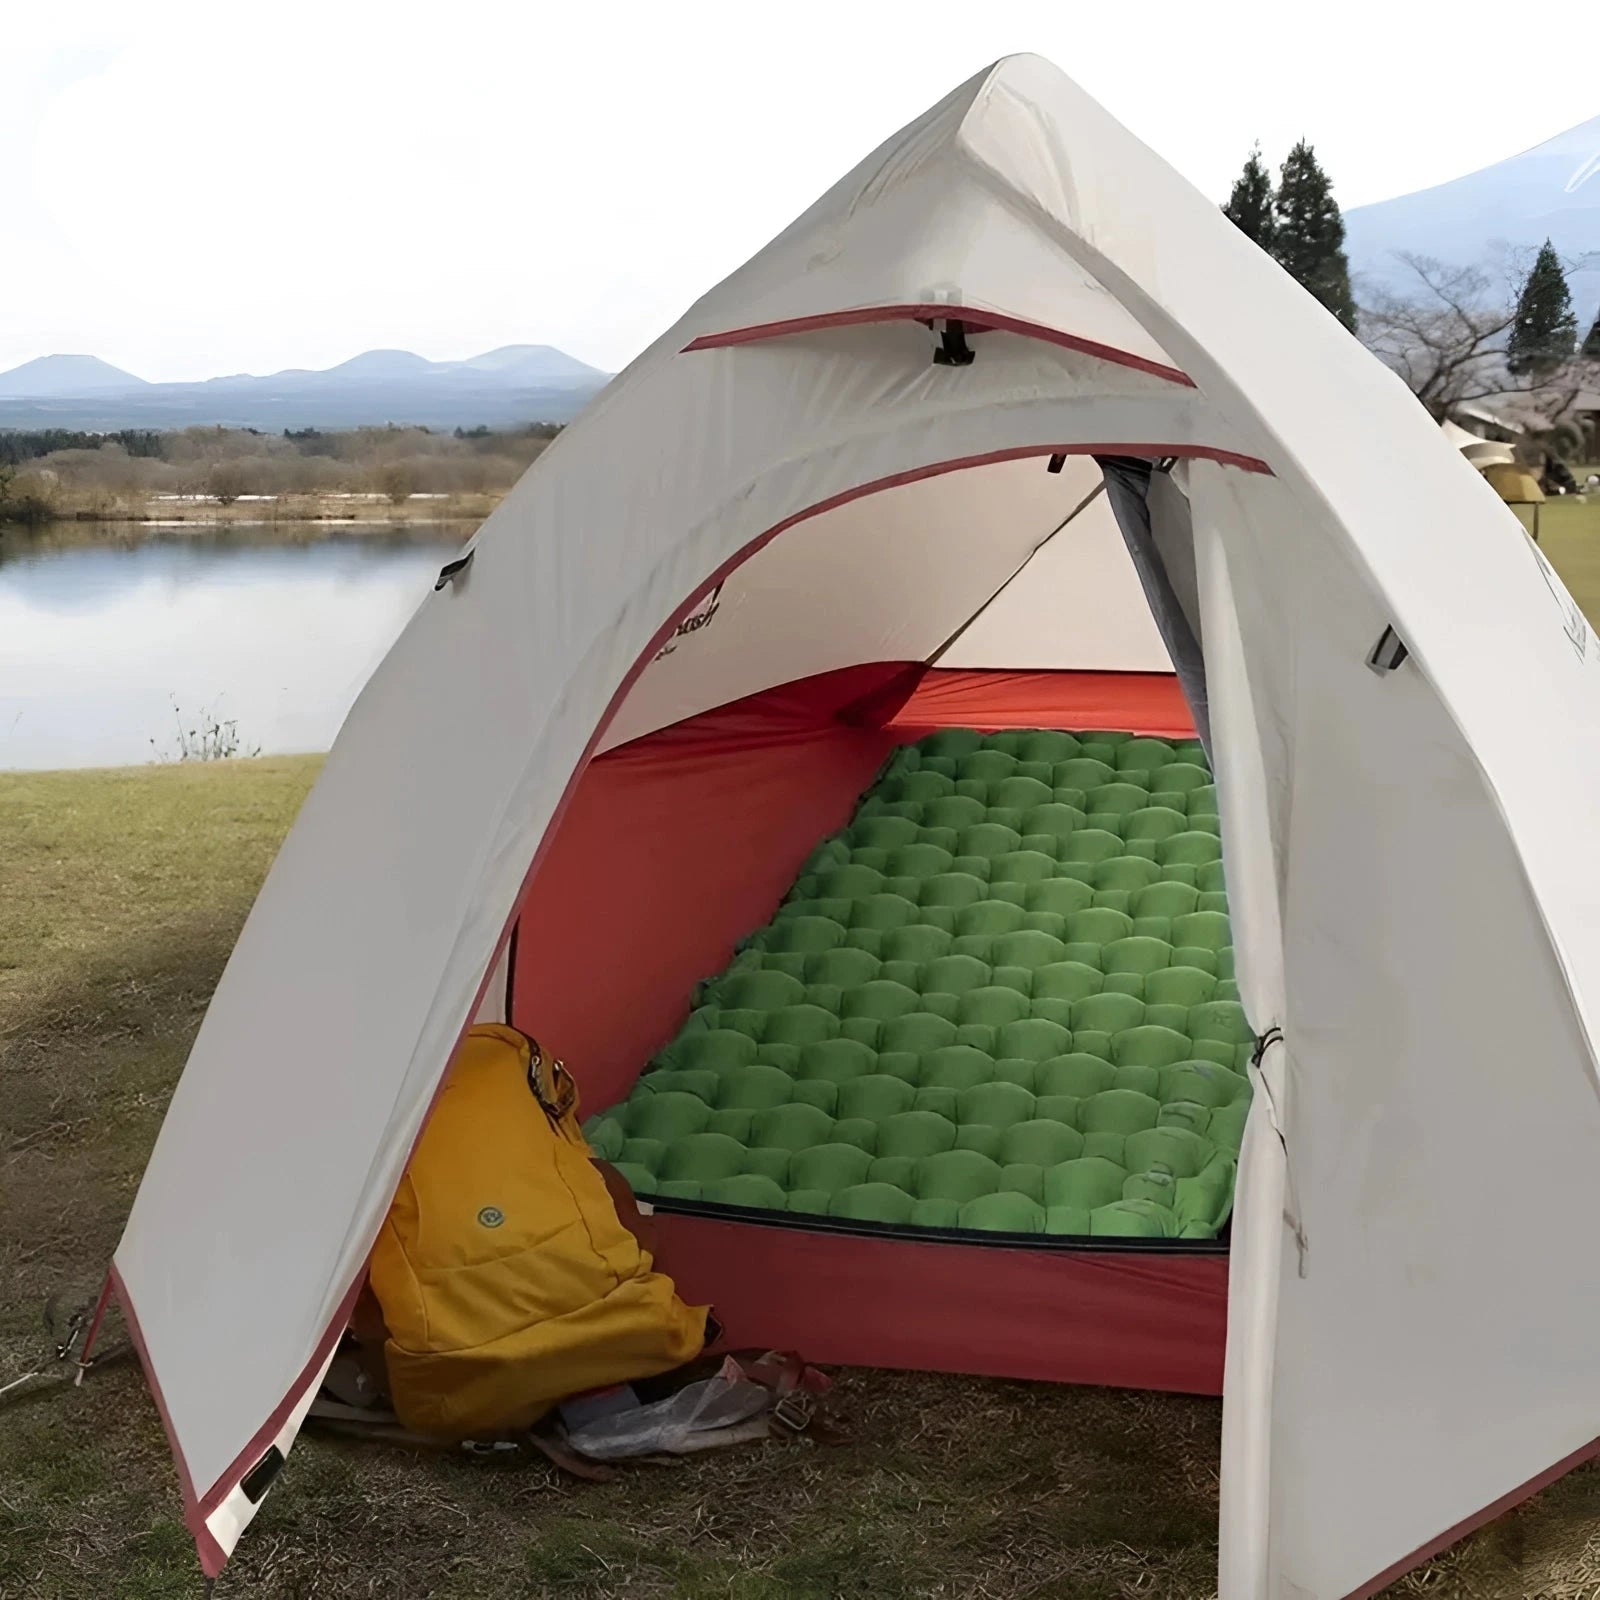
x: 212, y: 738
x: 226, y: 481
x: 31, y: 496
x: 397, y: 480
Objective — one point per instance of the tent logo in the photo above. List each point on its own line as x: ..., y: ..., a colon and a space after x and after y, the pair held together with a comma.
x: 692, y: 623
x: 491, y: 1216
x: 1573, y: 622
x: 1582, y: 173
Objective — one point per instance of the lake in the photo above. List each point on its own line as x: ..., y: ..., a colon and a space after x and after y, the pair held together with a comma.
x: 109, y: 634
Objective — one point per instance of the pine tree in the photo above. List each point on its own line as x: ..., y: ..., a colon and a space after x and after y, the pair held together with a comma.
x: 1544, y: 333
x: 1249, y: 207
x: 1308, y: 233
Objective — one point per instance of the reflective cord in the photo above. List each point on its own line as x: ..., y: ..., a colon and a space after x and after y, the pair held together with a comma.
x: 65, y: 1346
x: 1291, y: 1211
x: 1273, y: 1035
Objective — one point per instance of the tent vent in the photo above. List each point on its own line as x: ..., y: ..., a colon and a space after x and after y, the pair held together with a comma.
x: 1057, y: 462
x: 953, y: 351
x: 1388, y: 653
x: 453, y: 569
x: 258, y: 1479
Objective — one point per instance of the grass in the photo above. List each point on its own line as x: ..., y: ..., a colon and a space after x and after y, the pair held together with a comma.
x: 122, y: 894
x: 1569, y: 535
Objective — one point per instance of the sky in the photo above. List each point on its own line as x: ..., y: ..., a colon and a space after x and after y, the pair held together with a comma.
x: 197, y: 189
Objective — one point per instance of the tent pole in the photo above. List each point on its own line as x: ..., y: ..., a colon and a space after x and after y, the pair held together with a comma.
x: 1093, y: 494
x: 83, y: 1357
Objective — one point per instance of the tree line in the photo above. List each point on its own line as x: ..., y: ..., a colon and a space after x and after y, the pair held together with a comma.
x: 54, y: 472
x: 1453, y: 334
x: 19, y: 446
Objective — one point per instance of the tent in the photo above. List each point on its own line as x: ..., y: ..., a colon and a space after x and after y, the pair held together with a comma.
x: 1491, y: 424
x: 1479, y: 451
x: 1516, y: 485
x: 815, y: 520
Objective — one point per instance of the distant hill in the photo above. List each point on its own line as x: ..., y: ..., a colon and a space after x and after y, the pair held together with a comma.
x: 516, y: 383
x: 529, y: 361
x: 66, y: 375
x: 1495, y: 217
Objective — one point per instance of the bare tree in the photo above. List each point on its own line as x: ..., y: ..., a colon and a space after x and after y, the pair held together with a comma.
x: 397, y: 479
x: 1445, y: 336
x: 226, y: 481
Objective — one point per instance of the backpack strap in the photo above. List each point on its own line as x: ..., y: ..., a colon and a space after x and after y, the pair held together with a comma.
x: 799, y: 1392
x: 558, y: 1453
x: 551, y: 1083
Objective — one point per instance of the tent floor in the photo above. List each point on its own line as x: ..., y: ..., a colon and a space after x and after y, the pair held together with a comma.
x: 1126, y: 1317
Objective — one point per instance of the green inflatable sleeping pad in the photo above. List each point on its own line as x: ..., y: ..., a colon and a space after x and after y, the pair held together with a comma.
x: 1001, y: 1000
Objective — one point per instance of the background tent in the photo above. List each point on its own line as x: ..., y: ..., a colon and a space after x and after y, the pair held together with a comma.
x: 1480, y: 452
x: 1404, y: 753
x: 1516, y: 485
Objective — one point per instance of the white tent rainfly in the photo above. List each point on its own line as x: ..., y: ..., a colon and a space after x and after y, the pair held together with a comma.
x: 1010, y: 398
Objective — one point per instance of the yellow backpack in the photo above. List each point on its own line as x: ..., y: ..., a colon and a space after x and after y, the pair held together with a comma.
x: 506, y: 1280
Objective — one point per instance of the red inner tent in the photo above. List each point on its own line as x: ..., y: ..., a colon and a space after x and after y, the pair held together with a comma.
x: 679, y: 842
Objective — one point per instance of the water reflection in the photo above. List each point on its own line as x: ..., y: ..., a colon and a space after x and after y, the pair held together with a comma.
x: 102, y: 630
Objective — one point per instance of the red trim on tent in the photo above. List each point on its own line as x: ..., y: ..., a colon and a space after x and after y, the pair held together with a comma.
x: 212, y: 1556
x: 251, y: 1453
x: 1479, y: 1519
x: 198, y: 1507
x: 95, y: 1321
x: 1122, y: 1318
x: 273, y: 1426
x: 1138, y: 702
x: 978, y: 320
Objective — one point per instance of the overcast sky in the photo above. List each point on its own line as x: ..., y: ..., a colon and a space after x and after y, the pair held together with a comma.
x: 194, y: 189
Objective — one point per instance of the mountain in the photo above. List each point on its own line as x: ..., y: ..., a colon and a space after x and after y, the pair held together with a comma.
x: 1495, y: 219
x: 532, y: 362
x: 66, y: 375
x: 516, y: 383
x: 378, y: 366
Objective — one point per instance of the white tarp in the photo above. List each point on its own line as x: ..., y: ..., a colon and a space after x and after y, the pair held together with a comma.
x: 1409, y: 903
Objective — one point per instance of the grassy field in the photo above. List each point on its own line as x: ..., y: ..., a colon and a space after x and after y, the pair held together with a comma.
x: 1569, y: 535
x: 122, y: 893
